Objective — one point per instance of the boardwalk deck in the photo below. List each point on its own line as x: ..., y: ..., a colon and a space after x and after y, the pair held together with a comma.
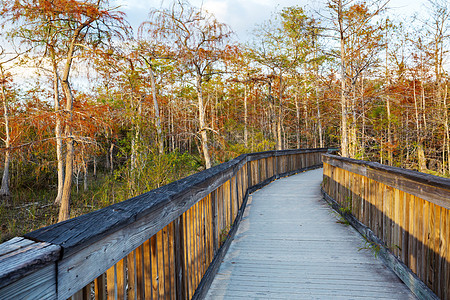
x: 289, y: 245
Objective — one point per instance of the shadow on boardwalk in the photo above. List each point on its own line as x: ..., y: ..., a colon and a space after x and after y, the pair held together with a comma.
x: 290, y: 245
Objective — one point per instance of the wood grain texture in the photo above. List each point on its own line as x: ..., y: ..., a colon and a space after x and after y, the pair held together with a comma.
x: 289, y: 246
x: 20, y: 257
x: 409, y: 278
x: 428, y: 187
x: 40, y: 284
x: 87, y: 246
x: 408, y: 224
x: 100, y: 287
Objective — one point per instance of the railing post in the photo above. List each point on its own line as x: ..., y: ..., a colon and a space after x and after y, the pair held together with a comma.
x: 179, y: 259
x: 214, y: 221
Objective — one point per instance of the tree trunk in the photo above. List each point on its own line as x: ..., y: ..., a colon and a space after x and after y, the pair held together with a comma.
x: 64, y: 209
x: 447, y: 133
x: 280, y: 115
x: 4, y: 190
x: 156, y: 108
x: 344, y: 121
x: 202, y: 123
x: 319, y: 123
x: 297, y: 114
x: 58, y: 129
x: 389, y: 134
x: 111, y: 162
x: 85, y: 175
x: 245, y: 116
x: 421, y: 158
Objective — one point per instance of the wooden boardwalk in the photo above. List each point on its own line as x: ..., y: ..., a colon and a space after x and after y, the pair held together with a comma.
x: 290, y: 245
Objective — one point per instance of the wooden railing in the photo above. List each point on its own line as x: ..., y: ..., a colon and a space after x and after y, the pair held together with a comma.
x: 408, y: 211
x: 164, y: 244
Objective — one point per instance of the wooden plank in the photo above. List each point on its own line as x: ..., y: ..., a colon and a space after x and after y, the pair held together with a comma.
x: 220, y: 218
x: 411, y: 221
x: 354, y: 194
x: 226, y: 194
x: 83, y: 294
x: 413, y: 234
x: 195, y: 244
x: 387, y: 221
x: 160, y: 252
x: 14, y: 244
x: 154, y: 263
x: 147, y: 269
x: 190, y: 253
x: 215, y: 221
x: 140, y: 279
x: 402, y: 271
x: 203, y: 239
x: 434, y: 229
x: 99, y: 287
x: 405, y: 228
x: 85, y: 242
x: 261, y: 222
x: 180, y: 265
x: 210, y: 228
x: 203, y: 287
x: 380, y: 211
x: 21, y: 257
x: 233, y: 198
x: 165, y: 235
x: 171, y: 245
x: 442, y: 252
x: 428, y: 187
x: 131, y: 265
x: 398, y: 219
x: 40, y: 284
x: 161, y: 205
x: 446, y: 256
x: 121, y: 279
x: 420, y: 238
x: 186, y: 277
x: 111, y: 285
x: 372, y: 207
x: 364, y: 201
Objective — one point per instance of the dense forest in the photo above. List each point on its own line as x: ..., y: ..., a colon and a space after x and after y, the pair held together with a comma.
x: 95, y: 112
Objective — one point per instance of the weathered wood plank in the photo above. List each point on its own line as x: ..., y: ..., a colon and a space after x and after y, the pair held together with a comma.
x: 428, y: 187
x: 154, y: 258
x: 408, y: 277
x: 40, y: 284
x: 180, y: 268
x: 14, y: 244
x: 148, y: 270
x: 100, y: 287
x: 111, y: 286
x: 121, y: 279
x: 166, y: 252
x: 140, y: 279
x: 21, y: 257
x: 253, y: 243
x: 132, y: 280
x: 84, y: 244
x: 171, y: 244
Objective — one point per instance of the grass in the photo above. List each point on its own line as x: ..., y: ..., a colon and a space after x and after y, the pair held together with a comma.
x: 29, y: 210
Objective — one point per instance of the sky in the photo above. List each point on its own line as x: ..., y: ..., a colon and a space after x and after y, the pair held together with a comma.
x: 243, y: 15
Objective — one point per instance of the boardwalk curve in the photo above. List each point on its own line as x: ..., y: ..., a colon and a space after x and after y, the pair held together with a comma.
x: 290, y: 245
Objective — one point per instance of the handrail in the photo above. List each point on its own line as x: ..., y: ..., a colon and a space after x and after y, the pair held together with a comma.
x: 159, y: 243
x: 406, y: 211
